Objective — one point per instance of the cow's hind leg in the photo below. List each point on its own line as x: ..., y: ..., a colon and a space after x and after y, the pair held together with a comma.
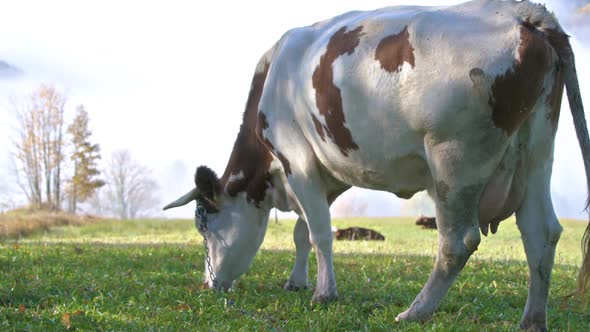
x: 299, y: 274
x: 540, y: 231
x: 457, y: 190
x: 458, y: 239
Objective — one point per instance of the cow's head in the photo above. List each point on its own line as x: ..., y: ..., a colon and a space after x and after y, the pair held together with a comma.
x: 235, y: 227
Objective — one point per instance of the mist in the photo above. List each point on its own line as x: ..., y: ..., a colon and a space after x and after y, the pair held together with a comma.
x: 169, y: 83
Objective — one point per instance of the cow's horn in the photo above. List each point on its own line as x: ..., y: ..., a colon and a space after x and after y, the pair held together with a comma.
x: 187, y: 198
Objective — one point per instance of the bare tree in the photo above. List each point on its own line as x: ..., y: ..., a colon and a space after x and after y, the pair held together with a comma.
x: 131, y: 189
x: 39, y: 146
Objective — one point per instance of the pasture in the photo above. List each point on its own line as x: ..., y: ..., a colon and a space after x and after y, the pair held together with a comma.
x: 147, y: 275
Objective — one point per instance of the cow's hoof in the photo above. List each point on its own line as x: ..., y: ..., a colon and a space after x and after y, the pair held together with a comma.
x: 534, y: 321
x: 533, y: 326
x: 414, y: 315
x: 324, y: 298
x: 294, y: 287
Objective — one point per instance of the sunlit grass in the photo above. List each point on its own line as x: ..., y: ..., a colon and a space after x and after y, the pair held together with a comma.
x: 142, y: 275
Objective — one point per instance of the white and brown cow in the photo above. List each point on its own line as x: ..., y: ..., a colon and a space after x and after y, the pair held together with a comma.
x: 462, y: 101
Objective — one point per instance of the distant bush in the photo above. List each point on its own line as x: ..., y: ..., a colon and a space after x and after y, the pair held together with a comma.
x: 20, y: 222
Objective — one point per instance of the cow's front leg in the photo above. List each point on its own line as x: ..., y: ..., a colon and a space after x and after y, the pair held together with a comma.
x: 309, y: 190
x: 311, y: 198
x: 298, y: 278
x: 317, y: 214
x: 321, y: 239
x: 458, y: 239
x: 326, y: 279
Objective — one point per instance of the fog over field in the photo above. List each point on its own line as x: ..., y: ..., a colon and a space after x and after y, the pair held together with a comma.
x: 168, y: 81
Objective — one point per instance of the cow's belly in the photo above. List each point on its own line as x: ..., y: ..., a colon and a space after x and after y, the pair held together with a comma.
x: 397, y: 163
x: 389, y: 162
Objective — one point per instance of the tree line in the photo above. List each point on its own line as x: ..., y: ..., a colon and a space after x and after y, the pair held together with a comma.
x: 57, y: 163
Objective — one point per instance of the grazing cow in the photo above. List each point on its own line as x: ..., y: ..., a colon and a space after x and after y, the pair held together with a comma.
x: 462, y: 101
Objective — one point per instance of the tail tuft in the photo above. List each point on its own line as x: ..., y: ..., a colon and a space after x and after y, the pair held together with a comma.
x: 584, y: 275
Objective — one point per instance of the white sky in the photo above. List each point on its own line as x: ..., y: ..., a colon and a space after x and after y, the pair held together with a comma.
x: 168, y: 80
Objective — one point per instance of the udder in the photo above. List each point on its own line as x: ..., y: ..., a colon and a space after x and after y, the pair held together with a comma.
x: 504, y: 192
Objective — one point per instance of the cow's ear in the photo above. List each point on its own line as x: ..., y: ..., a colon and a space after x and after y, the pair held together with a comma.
x: 207, y: 182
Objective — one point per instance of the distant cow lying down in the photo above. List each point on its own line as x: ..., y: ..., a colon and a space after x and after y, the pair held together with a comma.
x: 426, y: 222
x: 358, y: 233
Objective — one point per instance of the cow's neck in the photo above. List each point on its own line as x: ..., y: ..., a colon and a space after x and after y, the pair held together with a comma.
x: 250, y: 161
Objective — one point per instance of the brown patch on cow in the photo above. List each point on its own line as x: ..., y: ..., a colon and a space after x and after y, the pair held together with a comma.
x: 318, y: 127
x: 532, y: 26
x: 263, y: 124
x: 442, y: 190
x: 285, y: 162
x: 327, y: 95
x: 554, y: 97
x: 394, y: 50
x: 249, y: 154
x: 559, y: 41
x: 515, y: 92
x: 207, y: 182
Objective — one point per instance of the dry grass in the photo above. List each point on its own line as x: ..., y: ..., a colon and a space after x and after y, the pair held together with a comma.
x: 21, y: 222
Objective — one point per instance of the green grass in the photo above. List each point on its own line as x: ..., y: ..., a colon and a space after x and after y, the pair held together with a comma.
x: 147, y: 275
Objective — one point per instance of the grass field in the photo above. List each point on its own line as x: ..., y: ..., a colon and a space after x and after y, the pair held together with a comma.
x: 147, y: 275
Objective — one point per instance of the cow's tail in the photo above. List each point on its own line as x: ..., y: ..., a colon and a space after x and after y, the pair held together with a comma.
x: 537, y: 16
x: 559, y: 41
